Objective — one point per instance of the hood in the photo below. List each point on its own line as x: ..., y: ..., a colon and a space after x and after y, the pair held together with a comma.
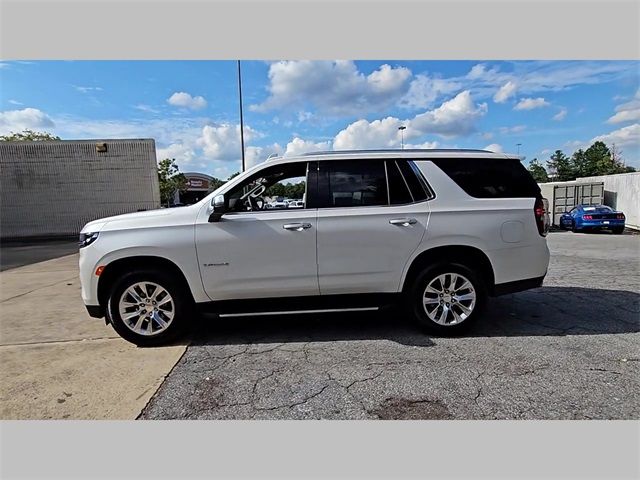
x: 149, y: 218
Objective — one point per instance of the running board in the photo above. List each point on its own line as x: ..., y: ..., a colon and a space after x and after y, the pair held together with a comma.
x: 293, y: 312
x: 292, y: 305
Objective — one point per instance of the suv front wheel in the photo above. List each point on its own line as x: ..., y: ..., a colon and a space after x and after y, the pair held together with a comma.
x: 147, y: 308
x: 446, y: 299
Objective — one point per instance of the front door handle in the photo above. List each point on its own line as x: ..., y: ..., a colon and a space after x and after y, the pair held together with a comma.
x: 403, y: 222
x: 298, y: 227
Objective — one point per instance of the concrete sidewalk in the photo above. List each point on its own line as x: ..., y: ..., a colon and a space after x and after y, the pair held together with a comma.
x: 57, y: 362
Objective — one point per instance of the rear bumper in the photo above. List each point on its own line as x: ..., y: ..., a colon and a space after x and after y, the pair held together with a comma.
x: 600, y: 224
x: 517, y: 286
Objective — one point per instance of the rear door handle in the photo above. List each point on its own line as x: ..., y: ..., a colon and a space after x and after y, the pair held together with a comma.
x: 403, y: 222
x: 298, y: 227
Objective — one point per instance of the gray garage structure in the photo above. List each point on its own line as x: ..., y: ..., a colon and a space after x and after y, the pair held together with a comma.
x: 51, y: 189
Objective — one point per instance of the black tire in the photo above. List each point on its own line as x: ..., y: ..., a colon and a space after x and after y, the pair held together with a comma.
x: 617, y: 230
x: 417, y: 293
x: 574, y: 229
x: 182, y: 308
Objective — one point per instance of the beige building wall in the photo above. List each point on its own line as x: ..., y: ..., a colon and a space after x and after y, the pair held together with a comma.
x: 54, y: 188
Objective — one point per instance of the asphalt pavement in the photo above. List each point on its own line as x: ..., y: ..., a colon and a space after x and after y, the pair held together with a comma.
x: 568, y: 350
x: 15, y: 254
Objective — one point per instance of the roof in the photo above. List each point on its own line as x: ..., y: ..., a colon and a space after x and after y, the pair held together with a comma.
x: 396, y: 153
x: 388, y: 150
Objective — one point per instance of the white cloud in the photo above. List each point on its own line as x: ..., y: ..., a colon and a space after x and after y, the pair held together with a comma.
x: 627, y: 112
x: 27, y: 118
x: 505, y: 92
x: 184, y: 154
x: 531, y: 103
x: 514, y: 129
x: 146, y: 108
x: 560, y: 115
x: 364, y: 134
x: 298, y: 146
x: 15, y: 102
x: 185, y: 100
x: 333, y: 87
x: 87, y: 89
x: 425, y: 145
x: 425, y: 90
x: 494, y: 147
x: 625, y: 137
x: 222, y: 142
x: 256, y: 155
x: 454, y: 117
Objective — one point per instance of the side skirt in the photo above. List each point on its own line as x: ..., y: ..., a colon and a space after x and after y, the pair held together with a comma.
x: 299, y: 305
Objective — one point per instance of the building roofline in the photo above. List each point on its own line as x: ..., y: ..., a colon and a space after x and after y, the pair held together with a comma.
x: 84, y: 140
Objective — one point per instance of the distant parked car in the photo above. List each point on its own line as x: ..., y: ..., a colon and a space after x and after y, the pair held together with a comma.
x: 593, y: 217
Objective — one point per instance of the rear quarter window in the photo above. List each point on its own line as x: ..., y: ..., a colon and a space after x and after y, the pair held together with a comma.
x: 490, y: 177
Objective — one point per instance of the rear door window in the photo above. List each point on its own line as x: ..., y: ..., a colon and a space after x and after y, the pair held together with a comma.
x: 399, y: 193
x: 352, y: 183
x: 490, y: 177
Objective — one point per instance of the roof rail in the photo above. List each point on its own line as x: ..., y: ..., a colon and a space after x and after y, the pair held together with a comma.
x: 389, y: 150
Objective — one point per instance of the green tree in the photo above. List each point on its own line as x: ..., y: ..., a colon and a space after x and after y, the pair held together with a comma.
x: 560, y: 166
x: 170, y: 180
x: 233, y: 175
x: 538, y: 172
x: 28, y: 136
x: 215, y: 184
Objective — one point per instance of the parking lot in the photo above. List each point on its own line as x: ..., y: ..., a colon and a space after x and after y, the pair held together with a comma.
x: 568, y: 350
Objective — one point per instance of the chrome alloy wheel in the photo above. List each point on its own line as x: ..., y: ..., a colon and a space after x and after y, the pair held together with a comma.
x: 449, y: 299
x: 146, y: 308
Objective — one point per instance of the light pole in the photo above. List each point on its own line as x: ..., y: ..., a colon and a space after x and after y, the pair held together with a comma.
x: 402, y: 128
x: 241, y: 119
x: 518, y: 145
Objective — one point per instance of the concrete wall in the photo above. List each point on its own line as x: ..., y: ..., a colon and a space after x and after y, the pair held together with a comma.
x: 54, y: 188
x: 621, y: 192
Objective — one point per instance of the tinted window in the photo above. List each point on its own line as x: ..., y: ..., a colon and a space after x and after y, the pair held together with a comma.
x: 490, y: 177
x: 398, y: 191
x: 414, y: 180
x: 354, y: 183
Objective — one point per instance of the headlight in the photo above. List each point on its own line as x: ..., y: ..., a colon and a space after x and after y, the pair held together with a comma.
x: 87, y: 239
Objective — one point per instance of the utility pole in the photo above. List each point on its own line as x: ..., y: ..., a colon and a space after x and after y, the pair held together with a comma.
x: 241, y: 119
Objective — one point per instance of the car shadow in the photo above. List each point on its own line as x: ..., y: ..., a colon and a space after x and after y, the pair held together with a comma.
x: 540, y: 312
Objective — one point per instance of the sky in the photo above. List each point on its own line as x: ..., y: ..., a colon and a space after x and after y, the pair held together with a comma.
x: 191, y: 108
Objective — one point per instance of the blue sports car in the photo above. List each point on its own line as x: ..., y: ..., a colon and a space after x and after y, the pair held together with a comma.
x: 592, y: 217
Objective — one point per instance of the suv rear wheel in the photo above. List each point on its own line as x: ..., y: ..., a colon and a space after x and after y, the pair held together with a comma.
x: 148, y: 308
x: 447, y: 298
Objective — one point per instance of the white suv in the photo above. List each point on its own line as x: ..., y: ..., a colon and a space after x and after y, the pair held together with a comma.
x: 436, y: 230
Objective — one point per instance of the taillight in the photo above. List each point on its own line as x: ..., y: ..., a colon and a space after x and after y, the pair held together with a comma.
x: 620, y: 216
x: 587, y: 217
x: 539, y: 213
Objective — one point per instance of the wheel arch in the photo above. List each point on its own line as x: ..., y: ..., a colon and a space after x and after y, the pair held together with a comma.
x: 469, y: 256
x: 121, y: 266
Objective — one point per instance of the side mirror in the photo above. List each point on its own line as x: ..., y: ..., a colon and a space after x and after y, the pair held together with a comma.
x: 219, y: 204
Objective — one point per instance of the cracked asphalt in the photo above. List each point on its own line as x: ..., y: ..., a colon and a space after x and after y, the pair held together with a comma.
x: 568, y: 350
